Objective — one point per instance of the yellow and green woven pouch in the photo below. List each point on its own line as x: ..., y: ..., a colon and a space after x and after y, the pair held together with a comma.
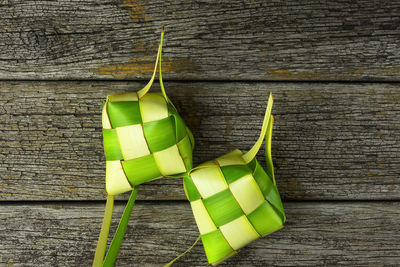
x: 144, y: 139
x: 234, y: 201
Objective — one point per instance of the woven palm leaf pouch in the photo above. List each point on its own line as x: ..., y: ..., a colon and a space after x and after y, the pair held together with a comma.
x: 144, y: 139
x: 234, y: 200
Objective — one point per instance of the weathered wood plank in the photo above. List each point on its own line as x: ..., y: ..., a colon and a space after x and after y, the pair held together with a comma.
x: 316, y: 234
x: 331, y: 141
x: 223, y: 40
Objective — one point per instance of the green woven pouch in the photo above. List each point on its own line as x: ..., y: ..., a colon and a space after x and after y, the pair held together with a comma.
x: 144, y: 139
x: 234, y: 200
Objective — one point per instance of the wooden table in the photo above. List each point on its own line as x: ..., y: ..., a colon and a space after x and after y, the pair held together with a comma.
x: 334, y: 70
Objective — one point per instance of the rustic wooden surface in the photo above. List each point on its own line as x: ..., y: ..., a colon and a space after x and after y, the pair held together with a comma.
x: 331, y: 140
x: 316, y: 234
x: 336, y: 142
x: 213, y: 40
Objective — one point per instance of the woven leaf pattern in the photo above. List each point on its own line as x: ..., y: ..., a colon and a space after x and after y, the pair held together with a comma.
x: 234, y: 200
x: 142, y: 136
x: 233, y: 203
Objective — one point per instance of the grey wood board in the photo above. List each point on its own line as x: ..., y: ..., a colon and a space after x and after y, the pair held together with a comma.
x: 330, y: 140
x: 206, y: 40
x: 316, y: 234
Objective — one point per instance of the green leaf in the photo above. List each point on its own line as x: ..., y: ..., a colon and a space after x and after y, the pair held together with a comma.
x: 160, y: 134
x: 112, y: 148
x: 216, y: 246
x: 105, y: 229
x: 141, y: 170
x: 249, y: 156
x: 223, y: 207
x: 119, y: 234
x: 124, y: 113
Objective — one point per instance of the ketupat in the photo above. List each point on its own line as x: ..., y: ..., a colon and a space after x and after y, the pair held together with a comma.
x: 234, y: 201
x: 144, y: 139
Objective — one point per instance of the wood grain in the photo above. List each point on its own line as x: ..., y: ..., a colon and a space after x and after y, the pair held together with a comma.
x: 331, y: 141
x: 205, y: 40
x: 316, y: 234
